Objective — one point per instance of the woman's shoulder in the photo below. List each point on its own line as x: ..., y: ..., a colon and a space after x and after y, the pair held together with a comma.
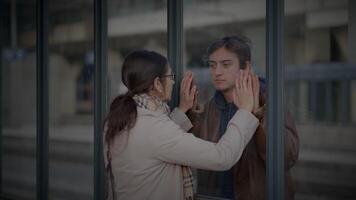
x: 152, y: 120
x: 146, y: 114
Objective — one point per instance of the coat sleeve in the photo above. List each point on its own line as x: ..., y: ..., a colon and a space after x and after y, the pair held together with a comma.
x: 173, y: 145
x: 291, y: 138
x: 291, y: 141
x: 181, y: 119
x: 196, y: 118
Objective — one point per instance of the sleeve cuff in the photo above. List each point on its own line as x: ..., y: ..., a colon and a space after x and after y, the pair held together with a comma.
x: 181, y: 119
x: 246, y: 121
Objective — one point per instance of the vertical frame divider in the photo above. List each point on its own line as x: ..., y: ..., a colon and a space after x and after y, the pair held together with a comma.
x: 175, y: 44
x: 42, y: 100
x: 100, y: 93
x: 275, y: 102
x: 2, y: 28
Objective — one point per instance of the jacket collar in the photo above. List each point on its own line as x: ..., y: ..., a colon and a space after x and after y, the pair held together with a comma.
x: 220, y: 101
x: 263, y: 85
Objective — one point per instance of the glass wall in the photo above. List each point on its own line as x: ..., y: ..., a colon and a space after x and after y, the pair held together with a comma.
x: 320, y: 85
x: 205, y: 22
x: 71, y: 99
x: 133, y: 25
x: 320, y: 94
x: 18, y: 98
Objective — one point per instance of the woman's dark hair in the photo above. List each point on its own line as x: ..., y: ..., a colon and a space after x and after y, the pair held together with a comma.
x: 139, y: 70
x: 236, y: 44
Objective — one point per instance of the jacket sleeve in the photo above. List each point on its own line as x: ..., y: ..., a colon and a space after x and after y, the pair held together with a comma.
x: 181, y: 119
x: 291, y: 140
x: 196, y: 118
x: 173, y: 145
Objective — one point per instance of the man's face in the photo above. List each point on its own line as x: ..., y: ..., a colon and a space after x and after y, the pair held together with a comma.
x: 224, y: 65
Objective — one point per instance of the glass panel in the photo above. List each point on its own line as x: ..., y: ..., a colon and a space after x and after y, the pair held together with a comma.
x: 133, y: 25
x: 71, y: 99
x: 320, y: 94
x: 205, y: 22
x: 18, y: 98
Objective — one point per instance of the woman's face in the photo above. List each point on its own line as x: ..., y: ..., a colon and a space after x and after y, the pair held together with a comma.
x: 168, y: 82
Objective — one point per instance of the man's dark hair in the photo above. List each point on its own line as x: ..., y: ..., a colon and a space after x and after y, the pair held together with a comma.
x: 237, y: 44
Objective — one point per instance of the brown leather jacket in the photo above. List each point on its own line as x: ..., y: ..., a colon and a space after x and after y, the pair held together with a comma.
x: 250, y: 171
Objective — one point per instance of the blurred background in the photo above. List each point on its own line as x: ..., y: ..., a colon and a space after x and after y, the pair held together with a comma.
x: 320, y: 85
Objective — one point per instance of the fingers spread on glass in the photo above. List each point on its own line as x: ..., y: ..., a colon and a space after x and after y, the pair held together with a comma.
x: 187, y: 92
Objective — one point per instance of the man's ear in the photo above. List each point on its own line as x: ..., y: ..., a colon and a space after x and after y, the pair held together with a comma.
x: 157, y: 85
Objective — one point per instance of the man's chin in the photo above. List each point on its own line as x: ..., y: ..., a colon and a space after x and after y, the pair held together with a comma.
x: 220, y: 88
x: 223, y: 89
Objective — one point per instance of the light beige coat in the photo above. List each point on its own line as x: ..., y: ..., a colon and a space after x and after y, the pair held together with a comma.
x: 146, y: 162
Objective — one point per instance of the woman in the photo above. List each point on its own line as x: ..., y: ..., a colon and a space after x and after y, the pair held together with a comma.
x: 147, y: 148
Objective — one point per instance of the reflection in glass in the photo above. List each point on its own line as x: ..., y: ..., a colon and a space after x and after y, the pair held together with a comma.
x: 320, y: 92
x: 71, y: 99
x: 133, y: 25
x: 204, y: 23
x: 18, y: 98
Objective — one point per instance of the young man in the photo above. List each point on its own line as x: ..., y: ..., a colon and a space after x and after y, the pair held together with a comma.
x: 247, y: 179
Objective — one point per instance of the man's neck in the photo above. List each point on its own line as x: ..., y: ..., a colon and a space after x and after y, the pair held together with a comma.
x: 228, y: 96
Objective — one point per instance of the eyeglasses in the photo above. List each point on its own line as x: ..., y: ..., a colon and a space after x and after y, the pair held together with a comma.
x: 172, y: 76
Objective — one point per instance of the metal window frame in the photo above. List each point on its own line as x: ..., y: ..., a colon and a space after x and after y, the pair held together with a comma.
x: 100, y: 93
x: 2, y: 27
x: 275, y: 78
x: 175, y: 44
x: 275, y: 99
x: 42, y: 100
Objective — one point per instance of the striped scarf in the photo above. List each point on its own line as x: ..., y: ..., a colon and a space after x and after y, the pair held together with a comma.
x: 155, y: 104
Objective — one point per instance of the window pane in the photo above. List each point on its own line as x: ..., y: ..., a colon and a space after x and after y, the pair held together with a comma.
x: 205, y: 22
x: 18, y: 98
x: 133, y: 25
x: 71, y: 99
x: 320, y: 93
